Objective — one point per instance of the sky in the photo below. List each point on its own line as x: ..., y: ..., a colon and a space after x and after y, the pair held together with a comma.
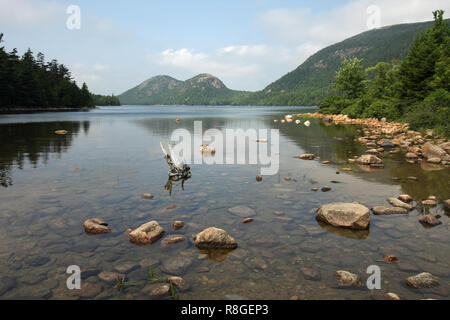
x: 246, y: 43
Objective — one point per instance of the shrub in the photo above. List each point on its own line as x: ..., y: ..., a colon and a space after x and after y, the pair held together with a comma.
x: 334, y: 104
x: 382, y: 108
x: 433, y: 112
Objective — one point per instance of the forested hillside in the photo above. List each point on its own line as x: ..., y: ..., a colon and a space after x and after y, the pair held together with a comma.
x: 29, y: 82
x: 415, y: 90
x: 203, y: 89
x: 313, y: 80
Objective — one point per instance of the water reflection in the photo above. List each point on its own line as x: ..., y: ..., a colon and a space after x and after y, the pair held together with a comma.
x: 216, y: 255
x: 41, y: 227
x: 337, y: 143
x: 174, y: 181
x: 343, y: 232
x: 32, y: 143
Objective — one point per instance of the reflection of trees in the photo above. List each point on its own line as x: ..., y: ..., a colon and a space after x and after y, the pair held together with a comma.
x: 429, y: 182
x: 345, y: 146
x: 33, y: 142
x: 329, y: 142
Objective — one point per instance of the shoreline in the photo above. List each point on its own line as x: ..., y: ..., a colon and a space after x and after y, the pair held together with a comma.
x: 19, y: 110
x: 380, y: 136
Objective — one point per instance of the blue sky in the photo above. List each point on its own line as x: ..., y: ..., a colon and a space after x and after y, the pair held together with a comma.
x: 247, y: 43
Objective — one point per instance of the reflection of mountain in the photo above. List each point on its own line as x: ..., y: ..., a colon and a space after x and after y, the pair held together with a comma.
x: 336, y: 143
x: 22, y: 142
x: 165, y: 127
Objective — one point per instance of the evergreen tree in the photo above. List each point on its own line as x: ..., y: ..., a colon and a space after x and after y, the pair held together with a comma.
x: 351, y: 78
x: 30, y: 82
x: 417, y: 70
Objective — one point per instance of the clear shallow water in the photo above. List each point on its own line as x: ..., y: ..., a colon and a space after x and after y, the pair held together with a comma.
x: 44, y: 201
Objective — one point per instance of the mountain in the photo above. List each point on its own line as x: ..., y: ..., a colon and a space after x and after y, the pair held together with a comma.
x: 307, y: 85
x: 313, y: 80
x: 203, y: 89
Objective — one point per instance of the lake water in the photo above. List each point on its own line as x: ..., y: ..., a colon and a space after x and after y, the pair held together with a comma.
x: 50, y: 184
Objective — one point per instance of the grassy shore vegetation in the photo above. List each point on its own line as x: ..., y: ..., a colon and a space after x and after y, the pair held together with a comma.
x: 415, y: 90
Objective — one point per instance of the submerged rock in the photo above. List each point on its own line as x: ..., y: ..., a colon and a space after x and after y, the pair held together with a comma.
x: 247, y: 220
x: 156, y: 290
x: 430, y: 219
x: 149, y: 262
x: 347, y: 215
x: 176, y: 265
x: 400, y: 204
x: 381, y: 210
x: 6, y: 284
x: 96, y: 226
x: 178, y: 282
x: 126, y: 267
x: 242, y: 211
x: 90, y: 290
x: 258, y: 178
x: 175, y: 238
x: 326, y: 188
x: 347, y: 279
x: 422, y: 280
x: 110, y: 276
x: 146, y: 233
x: 311, y: 274
x: 214, y: 238
x: 147, y: 196
x: 177, y: 224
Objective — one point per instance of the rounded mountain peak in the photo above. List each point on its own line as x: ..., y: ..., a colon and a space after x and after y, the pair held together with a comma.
x: 206, y: 78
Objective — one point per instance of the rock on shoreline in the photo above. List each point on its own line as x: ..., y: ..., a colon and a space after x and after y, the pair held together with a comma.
x: 146, y: 233
x: 214, y: 238
x: 347, y: 215
x: 96, y: 226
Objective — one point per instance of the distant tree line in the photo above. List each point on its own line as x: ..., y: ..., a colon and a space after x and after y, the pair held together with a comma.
x: 29, y: 82
x: 100, y: 100
x: 415, y: 90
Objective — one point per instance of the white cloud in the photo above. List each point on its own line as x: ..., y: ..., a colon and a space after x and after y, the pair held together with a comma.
x: 301, y: 25
x: 100, y: 67
x: 92, y: 74
x: 198, y: 62
x: 26, y: 13
x: 245, y: 67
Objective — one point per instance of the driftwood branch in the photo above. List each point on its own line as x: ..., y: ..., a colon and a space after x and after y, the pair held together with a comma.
x: 176, y: 168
